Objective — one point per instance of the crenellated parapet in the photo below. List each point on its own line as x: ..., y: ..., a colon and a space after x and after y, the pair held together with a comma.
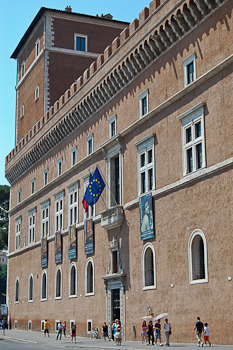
x: 159, y: 38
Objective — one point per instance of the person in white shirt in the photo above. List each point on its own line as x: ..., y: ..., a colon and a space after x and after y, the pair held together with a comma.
x: 206, y: 334
x: 167, y: 329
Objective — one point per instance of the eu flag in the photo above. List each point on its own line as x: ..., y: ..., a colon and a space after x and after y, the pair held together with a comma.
x: 94, y: 188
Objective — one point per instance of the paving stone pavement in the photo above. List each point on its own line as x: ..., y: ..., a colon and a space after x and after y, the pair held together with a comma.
x: 87, y: 343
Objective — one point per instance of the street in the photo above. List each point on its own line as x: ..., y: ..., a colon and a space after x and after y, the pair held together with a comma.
x: 28, y: 340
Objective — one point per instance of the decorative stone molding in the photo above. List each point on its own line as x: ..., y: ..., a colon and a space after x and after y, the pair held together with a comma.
x: 174, y: 28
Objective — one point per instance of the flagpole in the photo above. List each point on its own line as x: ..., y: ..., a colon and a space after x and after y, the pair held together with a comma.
x: 107, y: 186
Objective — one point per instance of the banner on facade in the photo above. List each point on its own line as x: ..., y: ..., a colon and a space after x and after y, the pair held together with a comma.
x: 88, y: 236
x: 58, y: 248
x: 146, y: 217
x: 44, y: 252
x: 72, y: 248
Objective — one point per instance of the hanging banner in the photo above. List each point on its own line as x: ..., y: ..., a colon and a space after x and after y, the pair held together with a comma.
x: 58, y: 248
x: 44, y: 252
x: 72, y: 248
x: 146, y: 217
x: 88, y: 236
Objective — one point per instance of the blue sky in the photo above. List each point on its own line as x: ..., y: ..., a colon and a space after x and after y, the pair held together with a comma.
x: 15, y: 17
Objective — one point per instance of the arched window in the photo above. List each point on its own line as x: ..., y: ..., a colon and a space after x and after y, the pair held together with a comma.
x: 17, y: 290
x: 30, y: 288
x: 44, y: 286
x: 198, y: 272
x: 89, y: 277
x: 148, y: 267
x: 58, y: 283
x: 73, y: 278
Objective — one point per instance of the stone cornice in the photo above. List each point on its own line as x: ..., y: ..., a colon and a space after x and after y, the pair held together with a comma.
x: 177, y: 25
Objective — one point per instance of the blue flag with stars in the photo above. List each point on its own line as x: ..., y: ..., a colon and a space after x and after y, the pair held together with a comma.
x: 94, y: 188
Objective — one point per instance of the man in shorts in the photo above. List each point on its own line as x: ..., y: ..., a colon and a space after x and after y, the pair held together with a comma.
x: 46, y: 327
x: 199, y: 329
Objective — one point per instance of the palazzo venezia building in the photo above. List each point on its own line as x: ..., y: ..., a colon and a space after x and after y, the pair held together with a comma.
x: 150, y: 104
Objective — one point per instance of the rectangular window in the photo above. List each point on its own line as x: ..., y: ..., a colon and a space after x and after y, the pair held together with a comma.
x: 59, y: 206
x: 73, y: 156
x: 46, y: 174
x: 19, y: 196
x: 37, y: 93
x: 80, y: 42
x: 32, y: 186
x: 37, y: 48
x: 73, y: 204
x: 146, y: 165
x: 89, y: 144
x: 143, y: 103
x: 45, y: 219
x: 190, y: 69
x: 22, y: 111
x: 22, y: 69
x: 112, y: 126
x: 59, y: 167
x: 18, y: 232
x: 32, y: 226
x: 193, y: 139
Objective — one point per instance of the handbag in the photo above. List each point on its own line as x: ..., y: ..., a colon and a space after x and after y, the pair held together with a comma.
x: 170, y: 332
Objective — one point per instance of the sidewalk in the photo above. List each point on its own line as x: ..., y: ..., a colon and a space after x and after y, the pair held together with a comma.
x: 83, y: 342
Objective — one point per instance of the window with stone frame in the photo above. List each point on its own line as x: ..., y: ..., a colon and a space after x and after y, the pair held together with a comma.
x: 189, y: 69
x: 18, y: 232
x: 90, y: 144
x: 146, y: 164
x: 80, y: 42
x: 112, y: 126
x: 30, y: 288
x: 74, y: 156
x: 73, y: 281
x: 114, y: 162
x: 44, y: 286
x: 73, y: 204
x: 17, y: 290
x: 144, y: 102
x: 89, y: 277
x: 59, y: 166
x: 45, y: 219
x: 198, y: 271
x: 59, y: 207
x: 46, y: 177
x: 37, y: 48
x: 32, y: 226
x: 193, y: 139
x: 58, y: 283
x: 148, y: 267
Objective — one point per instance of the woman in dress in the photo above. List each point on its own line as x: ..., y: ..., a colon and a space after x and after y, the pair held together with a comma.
x: 73, y: 333
x: 144, y: 332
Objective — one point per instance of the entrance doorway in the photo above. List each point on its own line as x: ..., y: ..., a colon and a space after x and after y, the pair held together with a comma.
x: 115, y: 304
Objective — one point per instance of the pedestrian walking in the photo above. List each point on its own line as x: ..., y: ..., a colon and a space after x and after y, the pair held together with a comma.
x: 157, y: 328
x: 64, y: 329
x: 168, y: 330
x: 206, y: 334
x: 199, y: 329
x: 59, y: 330
x: 118, y: 333
x: 105, y: 331
x: 144, y: 332
x: 73, y: 333
x: 150, y: 333
x: 46, y: 327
